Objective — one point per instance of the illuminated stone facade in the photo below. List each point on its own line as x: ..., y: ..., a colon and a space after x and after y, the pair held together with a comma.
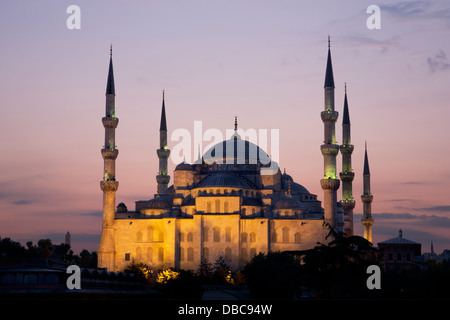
x: 234, y: 205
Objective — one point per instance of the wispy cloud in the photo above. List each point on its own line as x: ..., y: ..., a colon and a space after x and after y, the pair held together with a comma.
x: 421, y: 9
x: 435, y: 208
x: 439, y: 62
x: 414, y: 183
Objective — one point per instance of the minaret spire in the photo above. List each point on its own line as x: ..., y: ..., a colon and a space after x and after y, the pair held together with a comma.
x: 347, y: 175
x: 329, y: 79
x: 163, y: 152
x: 330, y: 184
x: 367, y: 197
x: 110, y: 82
x: 109, y: 184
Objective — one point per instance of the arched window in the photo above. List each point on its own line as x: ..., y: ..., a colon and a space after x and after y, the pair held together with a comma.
x: 297, y: 237
x: 217, y: 202
x: 181, y: 254
x: 243, y: 211
x: 253, y: 211
x: 225, y: 207
x: 206, y: 234
x: 244, y: 237
x: 190, y: 237
x: 181, y: 236
x: 190, y: 254
x: 206, y: 253
x: 286, y: 234
x: 252, y: 237
x: 217, y: 191
x: 161, y: 254
x: 139, y: 237
x: 228, y: 234
x: 150, y: 234
x: 252, y: 252
x: 216, y: 232
x: 208, y: 207
x: 150, y: 254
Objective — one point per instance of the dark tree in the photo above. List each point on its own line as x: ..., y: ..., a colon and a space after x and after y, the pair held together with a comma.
x: 272, y: 276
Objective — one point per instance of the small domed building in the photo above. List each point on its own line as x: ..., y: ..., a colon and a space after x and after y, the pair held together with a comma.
x: 232, y: 202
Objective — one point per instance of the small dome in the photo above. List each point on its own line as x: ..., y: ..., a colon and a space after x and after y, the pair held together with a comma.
x: 288, y: 203
x: 183, y: 166
x: 121, y: 207
x: 157, y: 203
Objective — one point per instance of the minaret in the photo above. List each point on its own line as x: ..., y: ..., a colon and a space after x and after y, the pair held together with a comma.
x: 163, y: 153
x: 347, y: 174
x: 329, y: 148
x: 367, y: 198
x: 109, y: 185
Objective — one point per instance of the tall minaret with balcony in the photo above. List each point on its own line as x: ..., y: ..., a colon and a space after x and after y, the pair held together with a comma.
x: 109, y: 184
x: 163, y: 153
x: 329, y: 148
x: 367, y: 197
x: 347, y: 174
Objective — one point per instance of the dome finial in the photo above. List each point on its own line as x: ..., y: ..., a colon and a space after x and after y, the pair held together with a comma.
x: 235, y: 123
x: 110, y: 49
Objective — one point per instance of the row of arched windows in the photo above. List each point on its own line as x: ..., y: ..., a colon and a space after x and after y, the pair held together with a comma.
x: 151, y: 235
x: 285, y: 236
x: 152, y: 255
x: 240, y: 192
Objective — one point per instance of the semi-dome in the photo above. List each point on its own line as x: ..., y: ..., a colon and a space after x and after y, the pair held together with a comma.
x: 236, y: 151
x: 157, y: 203
x: 225, y: 180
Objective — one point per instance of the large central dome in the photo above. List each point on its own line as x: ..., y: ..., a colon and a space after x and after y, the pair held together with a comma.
x: 236, y: 151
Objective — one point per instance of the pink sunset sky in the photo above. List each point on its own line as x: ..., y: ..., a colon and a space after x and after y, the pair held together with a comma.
x: 263, y: 61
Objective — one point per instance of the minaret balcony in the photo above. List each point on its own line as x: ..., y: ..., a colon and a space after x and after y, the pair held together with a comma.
x: 329, y: 115
x: 110, y: 154
x: 163, y: 153
x: 368, y: 222
x: 110, y: 122
x: 329, y: 149
x: 109, y: 185
x: 162, y: 179
x: 367, y: 198
x: 348, y: 205
x: 330, y: 184
x: 347, y: 176
x: 346, y: 148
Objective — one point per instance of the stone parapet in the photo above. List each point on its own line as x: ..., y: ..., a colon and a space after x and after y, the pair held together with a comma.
x: 109, y: 185
x: 329, y: 116
x: 367, y: 198
x: 346, y: 148
x: 347, y: 176
x: 163, y: 153
x: 110, y: 122
x: 330, y: 184
x: 110, y: 154
x: 348, y: 205
x: 329, y: 149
